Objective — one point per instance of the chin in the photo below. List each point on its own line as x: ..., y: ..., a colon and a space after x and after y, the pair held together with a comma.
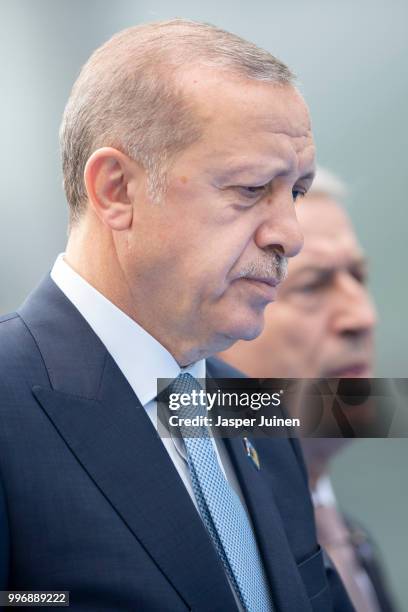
x: 244, y: 328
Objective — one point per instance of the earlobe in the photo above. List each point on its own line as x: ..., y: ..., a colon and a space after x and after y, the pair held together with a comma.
x: 107, y: 175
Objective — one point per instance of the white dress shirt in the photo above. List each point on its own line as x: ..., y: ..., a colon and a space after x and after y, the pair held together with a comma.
x: 140, y: 357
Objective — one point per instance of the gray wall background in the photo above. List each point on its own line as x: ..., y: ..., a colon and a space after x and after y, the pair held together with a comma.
x: 351, y: 59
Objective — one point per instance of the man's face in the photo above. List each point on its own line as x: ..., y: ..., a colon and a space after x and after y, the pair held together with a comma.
x: 323, y: 321
x: 206, y: 260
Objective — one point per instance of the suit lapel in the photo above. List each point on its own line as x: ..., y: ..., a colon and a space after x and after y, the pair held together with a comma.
x: 288, y: 591
x: 97, y: 414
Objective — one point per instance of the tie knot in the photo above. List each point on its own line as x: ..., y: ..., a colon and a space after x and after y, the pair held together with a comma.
x: 189, y: 394
x: 184, y: 398
x: 185, y: 383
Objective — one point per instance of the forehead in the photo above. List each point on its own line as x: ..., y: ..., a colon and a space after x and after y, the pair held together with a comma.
x: 329, y: 237
x: 250, y: 121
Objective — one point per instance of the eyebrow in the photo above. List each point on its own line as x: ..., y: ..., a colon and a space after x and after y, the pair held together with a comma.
x: 234, y: 173
x: 322, y: 271
x: 309, y: 176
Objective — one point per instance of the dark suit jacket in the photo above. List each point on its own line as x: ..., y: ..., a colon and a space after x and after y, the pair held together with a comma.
x: 90, y: 501
x: 369, y: 558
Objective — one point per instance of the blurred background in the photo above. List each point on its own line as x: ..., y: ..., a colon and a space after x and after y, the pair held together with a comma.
x: 351, y: 59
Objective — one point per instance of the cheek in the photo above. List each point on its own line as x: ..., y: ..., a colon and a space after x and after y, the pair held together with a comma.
x: 301, y: 331
x: 217, y: 263
x: 292, y: 323
x: 280, y: 332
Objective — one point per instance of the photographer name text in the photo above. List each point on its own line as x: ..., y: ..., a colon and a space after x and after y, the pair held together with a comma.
x: 205, y: 421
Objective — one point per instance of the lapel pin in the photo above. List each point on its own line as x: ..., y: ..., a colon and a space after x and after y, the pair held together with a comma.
x: 251, y: 453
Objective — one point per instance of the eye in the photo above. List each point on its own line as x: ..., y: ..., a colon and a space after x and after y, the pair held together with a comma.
x: 311, y: 287
x: 252, y: 191
x: 361, y: 275
x: 296, y: 193
x: 316, y: 284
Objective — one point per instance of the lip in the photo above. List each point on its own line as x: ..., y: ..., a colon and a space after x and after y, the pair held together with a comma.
x: 272, y: 282
x: 352, y: 370
x: 264, y: 286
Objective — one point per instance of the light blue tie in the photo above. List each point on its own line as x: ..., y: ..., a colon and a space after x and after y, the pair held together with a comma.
x: 221, y: 509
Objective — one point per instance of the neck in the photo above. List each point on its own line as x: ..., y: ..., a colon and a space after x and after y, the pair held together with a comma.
x: 93, y: 254
x: 318, y: 453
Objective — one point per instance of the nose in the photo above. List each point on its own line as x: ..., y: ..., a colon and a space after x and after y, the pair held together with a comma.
x: 279, y: 229
x: 355, y: 313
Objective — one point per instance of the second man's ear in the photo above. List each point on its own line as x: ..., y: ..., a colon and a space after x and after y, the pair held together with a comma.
x: 108, y: 173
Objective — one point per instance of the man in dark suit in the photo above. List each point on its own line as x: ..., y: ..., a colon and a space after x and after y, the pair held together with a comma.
x: 184, y: 148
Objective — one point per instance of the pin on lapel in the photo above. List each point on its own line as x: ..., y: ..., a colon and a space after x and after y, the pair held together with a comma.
x: 251, y: 453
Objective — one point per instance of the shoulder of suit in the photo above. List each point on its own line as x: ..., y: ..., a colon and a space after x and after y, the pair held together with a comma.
x: 12, y: 331
x: 217, y: 368
x: 8, y: 317
x: 16, y: 344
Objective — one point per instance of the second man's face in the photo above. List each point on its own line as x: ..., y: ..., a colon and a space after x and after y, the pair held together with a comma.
x: 323, y: 322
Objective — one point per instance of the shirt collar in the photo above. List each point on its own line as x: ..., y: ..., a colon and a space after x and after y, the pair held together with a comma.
x: 140, y: 357
x: 323, y: 493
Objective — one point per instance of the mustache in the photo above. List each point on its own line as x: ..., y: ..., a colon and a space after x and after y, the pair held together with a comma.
x: 273, y: 266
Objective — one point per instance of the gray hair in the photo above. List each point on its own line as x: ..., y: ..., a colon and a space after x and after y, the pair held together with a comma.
x: 127, y: 96
x: 328, y: 184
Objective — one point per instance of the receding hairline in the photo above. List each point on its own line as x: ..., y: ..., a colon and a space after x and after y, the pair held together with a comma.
x: 128, y: 91
x: 188, y: 33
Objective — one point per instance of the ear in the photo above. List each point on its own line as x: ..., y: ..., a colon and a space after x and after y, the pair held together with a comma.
x: 107, y: 176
